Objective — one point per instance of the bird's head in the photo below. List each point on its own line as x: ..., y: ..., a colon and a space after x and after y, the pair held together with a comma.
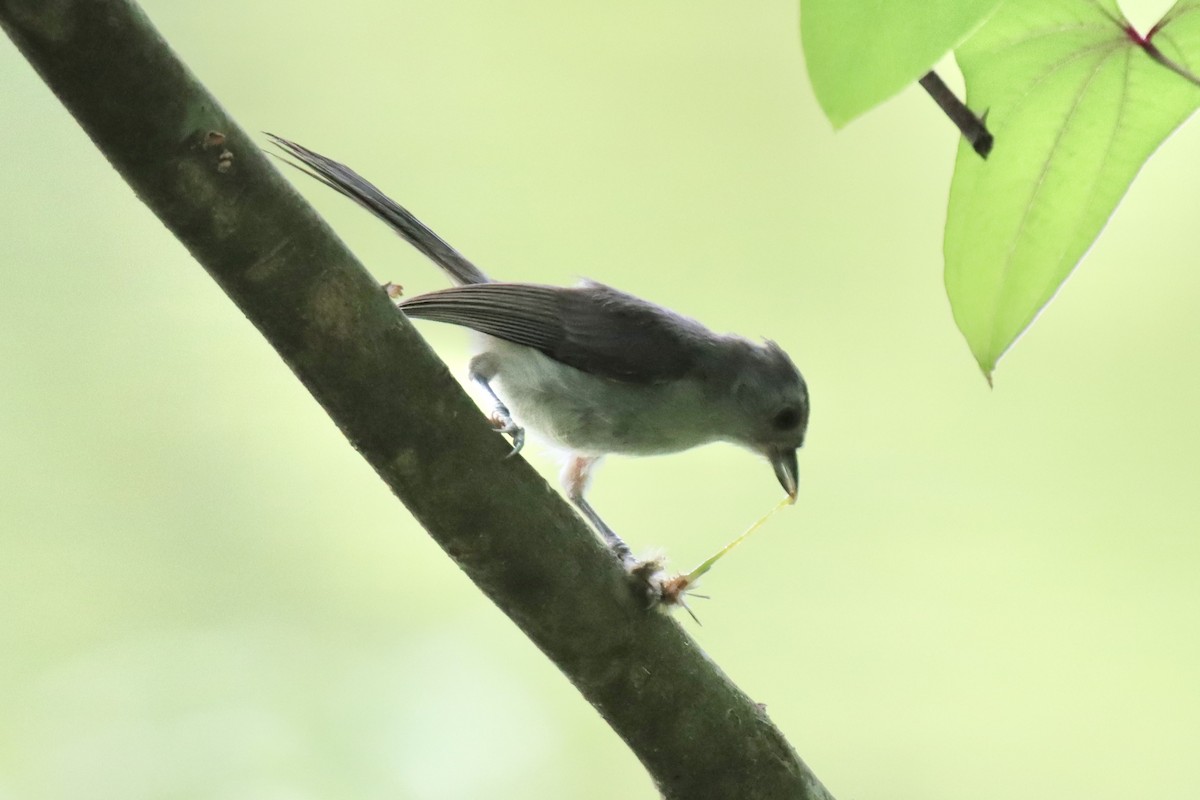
x: 771, y: 401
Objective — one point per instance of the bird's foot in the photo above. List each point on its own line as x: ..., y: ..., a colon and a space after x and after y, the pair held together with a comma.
x: 502, y: 421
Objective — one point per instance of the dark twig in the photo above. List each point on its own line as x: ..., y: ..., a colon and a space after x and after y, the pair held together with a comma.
x: 974, y: 129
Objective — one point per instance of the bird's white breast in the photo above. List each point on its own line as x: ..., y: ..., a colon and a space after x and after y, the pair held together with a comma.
x: 593, y: 415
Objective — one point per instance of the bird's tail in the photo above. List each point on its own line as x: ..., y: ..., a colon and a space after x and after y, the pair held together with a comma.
x: 360, y: 190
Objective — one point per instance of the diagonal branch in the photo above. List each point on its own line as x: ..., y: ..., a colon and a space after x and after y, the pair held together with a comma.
x: 697, y: 734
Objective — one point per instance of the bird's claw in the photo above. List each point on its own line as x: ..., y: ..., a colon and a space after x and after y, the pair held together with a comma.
x: 502, y: 421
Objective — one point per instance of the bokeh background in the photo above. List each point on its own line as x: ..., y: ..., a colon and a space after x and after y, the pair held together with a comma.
x: 205, y: 592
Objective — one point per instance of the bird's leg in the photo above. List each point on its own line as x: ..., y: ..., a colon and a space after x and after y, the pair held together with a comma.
x: 575, y: 475
x: 481, y: 371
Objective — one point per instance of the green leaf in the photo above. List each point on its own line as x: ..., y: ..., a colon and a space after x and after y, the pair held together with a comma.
x: 1077, y: 102
x: 861, y: 53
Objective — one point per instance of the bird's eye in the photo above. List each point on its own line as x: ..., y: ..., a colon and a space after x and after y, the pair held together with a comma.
x: 786, y: 419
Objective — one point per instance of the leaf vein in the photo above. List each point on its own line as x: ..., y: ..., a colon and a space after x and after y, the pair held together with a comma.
x: 1054, y: 69
x: 1007, y: 267
x: 1122, y: 105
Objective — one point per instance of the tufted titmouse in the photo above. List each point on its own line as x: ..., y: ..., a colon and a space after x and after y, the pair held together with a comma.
x: 595, y: 370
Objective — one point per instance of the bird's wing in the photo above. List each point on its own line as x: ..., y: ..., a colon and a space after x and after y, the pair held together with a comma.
x: 593, y: 328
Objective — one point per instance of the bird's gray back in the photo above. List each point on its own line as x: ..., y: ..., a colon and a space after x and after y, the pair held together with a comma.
x: 593, y: 328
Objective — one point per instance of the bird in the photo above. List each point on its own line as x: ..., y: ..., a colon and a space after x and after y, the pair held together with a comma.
x: 591, y: 369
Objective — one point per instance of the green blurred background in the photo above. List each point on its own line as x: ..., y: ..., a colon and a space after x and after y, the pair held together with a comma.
x: 206, y: 593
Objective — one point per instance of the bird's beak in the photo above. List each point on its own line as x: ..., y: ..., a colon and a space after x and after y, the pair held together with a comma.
x: 783, y: 459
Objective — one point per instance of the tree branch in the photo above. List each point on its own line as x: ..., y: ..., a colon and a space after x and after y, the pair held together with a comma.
x: 697, y: 734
